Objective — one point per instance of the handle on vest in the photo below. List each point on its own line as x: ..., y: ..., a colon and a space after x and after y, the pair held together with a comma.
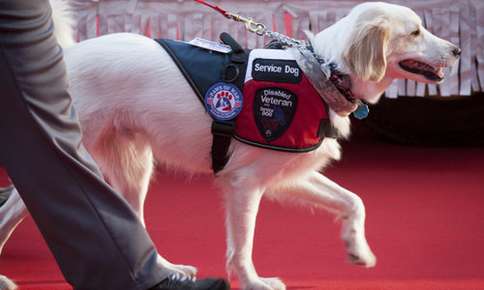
x: 227, y: 39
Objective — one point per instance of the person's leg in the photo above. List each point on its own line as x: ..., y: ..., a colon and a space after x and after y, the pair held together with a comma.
x: 95, y: 237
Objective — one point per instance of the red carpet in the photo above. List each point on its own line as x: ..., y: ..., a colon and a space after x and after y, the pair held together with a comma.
x: 425, y: 223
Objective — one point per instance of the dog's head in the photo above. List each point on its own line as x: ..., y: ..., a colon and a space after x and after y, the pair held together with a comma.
x: 382, y: 41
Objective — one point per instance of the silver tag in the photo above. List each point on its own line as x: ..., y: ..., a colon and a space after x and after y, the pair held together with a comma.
x: 210, y: 45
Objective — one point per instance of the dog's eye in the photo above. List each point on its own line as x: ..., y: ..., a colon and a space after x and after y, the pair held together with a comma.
x: 416, y: 33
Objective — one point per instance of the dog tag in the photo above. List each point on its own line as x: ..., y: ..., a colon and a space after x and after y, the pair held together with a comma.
x: 362, y: 111
x: 210, y: 45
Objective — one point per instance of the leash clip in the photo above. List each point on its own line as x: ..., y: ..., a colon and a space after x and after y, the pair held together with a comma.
x: 250, y: 24
x: 255, y: 27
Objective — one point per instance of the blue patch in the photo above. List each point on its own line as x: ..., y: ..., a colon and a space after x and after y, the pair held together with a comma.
x: 223, y: 101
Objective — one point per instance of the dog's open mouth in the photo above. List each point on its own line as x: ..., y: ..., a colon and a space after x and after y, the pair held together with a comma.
x: 417, y: 67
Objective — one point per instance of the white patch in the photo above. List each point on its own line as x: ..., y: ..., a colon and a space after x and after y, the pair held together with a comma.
x: 210, y: 45
x: 267, y: 54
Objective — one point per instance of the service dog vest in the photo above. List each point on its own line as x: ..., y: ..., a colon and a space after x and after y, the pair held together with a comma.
x: 279, y: 109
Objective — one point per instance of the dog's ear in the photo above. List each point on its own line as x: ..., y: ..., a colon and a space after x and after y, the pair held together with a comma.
x: 366, y: 53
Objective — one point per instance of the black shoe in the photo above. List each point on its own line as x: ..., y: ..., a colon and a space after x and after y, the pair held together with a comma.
x: 5, y: 194
x: 174, y: 282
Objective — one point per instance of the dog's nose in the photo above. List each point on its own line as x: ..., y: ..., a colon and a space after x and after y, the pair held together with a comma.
x: 456, y: 51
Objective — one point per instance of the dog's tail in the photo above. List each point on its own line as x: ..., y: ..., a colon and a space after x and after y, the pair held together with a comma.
x: 63, y: 22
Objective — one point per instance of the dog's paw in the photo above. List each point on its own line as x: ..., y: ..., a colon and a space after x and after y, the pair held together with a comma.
x: 360, y: 254
x: 6, y: 284
x: 265, y: 284
x: 275, y: 283
x: 357, y: 248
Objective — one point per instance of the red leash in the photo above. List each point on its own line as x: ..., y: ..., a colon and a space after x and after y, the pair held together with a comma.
x: 250, y: 24
x: 215, y: 7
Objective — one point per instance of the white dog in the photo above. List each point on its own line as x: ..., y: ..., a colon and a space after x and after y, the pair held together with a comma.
x: 136, y: 107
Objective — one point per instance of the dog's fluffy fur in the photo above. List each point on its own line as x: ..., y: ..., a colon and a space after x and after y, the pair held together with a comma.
x: 136, y: 108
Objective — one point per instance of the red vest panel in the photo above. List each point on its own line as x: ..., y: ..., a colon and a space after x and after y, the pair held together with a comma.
x: 281, y: 110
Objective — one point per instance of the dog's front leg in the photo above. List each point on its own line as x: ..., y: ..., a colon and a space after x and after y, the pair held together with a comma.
x: 242, y: 204
x: 318, y: 191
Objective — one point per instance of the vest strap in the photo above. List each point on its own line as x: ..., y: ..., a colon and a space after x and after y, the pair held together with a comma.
x: 223, y: 131
x: 222, y: 136
x: 327, y: 130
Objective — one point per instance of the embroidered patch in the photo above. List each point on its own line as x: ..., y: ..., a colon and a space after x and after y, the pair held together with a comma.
x: 276, y: 70
x: 223, y: 101
x: 274, y: 110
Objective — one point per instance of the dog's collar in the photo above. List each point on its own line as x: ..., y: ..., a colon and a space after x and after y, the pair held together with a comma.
x: 340, y: 80
x: 333, y: 86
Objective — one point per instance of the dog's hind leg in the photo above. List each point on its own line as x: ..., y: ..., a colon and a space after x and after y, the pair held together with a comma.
x: 11, y: 215
x: 126, y: 160
x: 318, y: 191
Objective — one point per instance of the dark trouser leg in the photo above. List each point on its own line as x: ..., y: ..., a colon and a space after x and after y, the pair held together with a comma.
x: 95, y: 237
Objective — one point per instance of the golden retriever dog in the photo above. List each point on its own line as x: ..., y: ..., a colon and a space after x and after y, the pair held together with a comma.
x: 136, y: 108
